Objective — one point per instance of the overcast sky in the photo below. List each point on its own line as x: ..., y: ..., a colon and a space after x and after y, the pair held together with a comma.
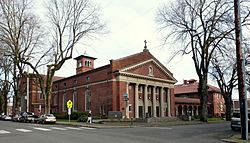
x: 130, y: 22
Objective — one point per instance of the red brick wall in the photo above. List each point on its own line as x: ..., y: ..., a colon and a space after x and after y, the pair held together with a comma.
x: 172, y: 102
x: 131, y: 94
x: 97, y: 84
x: 218, y: 100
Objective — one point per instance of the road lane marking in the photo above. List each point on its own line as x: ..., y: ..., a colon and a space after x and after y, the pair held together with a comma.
x: 56, y: 128
x: 72, y: 128
x: 42, y: 129
x: 4, y: 132
x: 165, y: 128
x: 161, y: 128
x: 24, y: 130
x: 88, y: 128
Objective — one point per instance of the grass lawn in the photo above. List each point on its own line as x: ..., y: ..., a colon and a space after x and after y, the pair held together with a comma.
x: 215, y: 119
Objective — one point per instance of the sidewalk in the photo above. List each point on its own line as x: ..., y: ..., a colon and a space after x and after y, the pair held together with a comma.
x: 236, y: 139
x: 128, y: 124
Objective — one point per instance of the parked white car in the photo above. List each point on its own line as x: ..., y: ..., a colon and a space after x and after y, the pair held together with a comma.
x: 235, y: 121
x: 47, y: 118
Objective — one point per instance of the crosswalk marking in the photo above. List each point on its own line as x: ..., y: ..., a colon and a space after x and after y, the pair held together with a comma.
x: 24, y: 130
x: 88, y: 128
x: 4, y: 132
x: 56, y: 128
x: 43, y: 129
x: 48, y: 129
x: 73, y: 128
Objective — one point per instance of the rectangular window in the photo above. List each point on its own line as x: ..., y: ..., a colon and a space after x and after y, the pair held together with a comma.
x: 64, y: 102
x: 87, y: 100
x: 41, y: 96
x: 149, y: 89
x: 75, y: 82
x: 140, y: 89
x: 55, y: 99
x: 157, y: 90
x: 74, y: 100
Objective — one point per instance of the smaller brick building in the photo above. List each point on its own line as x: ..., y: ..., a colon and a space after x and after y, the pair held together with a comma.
x: 137, y: 86
x: 35, y: 101
x: 187, y: 100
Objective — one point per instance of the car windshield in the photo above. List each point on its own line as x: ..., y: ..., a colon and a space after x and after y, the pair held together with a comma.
x: 236, y: 115
x: 49, y: 115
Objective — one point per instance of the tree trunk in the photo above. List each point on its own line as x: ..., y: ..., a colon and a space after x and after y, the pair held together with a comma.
x: 5, y: 100
x: 17, y: 103
x: 228, y: 103
x: 48, y: 90
x: 202, y: 91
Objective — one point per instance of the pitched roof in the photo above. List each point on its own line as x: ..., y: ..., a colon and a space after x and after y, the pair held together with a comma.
x: 187, y: 100
x: 137, y: 59
x: 191, y: 86
x: 130, y: 60
x: 55, y: 78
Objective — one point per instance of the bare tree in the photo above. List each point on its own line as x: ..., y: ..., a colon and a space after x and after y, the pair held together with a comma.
x: 5, y: 81
x: 20, y: 33
x: 200, y: 26
x: 224, y: 71
x: 71, y: 21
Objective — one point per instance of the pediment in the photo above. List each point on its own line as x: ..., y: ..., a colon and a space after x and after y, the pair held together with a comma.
x: 150, y: 69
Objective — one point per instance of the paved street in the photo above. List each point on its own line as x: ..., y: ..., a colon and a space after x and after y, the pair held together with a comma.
x: 12, y: 132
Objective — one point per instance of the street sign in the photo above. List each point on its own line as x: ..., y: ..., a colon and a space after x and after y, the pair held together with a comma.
x: 69, y: 111
x: 69, y: 104
x: 125, y: 95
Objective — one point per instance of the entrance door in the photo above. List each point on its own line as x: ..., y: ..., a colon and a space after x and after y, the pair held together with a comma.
x: 149, y: 111
x: 157, y: 111
x: 140, y: 111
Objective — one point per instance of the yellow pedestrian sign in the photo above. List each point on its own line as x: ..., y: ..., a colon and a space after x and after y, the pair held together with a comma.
x: 69, y: 104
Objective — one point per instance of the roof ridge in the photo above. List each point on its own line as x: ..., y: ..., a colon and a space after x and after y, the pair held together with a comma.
x: 128, y: 56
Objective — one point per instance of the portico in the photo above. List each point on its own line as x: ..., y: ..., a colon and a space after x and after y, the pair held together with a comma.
x: 148, y: 97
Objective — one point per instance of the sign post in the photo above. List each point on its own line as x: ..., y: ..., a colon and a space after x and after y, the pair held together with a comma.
x: 69, y: 105
x: 126, y: 98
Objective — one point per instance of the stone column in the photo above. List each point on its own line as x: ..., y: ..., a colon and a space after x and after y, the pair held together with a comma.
x: 192, y: 110
x: 168, y: 102
x: 162, y: 108
x: 145, y: 100
x: 197, y: 110
x: 154, y: 101
x: 176, y: 111
x: 136, y: 101
x: 182, y: 110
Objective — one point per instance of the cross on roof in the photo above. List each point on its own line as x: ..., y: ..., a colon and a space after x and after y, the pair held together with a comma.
x: 145, y: 47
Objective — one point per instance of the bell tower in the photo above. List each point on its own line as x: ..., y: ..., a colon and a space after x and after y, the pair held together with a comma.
x: 84, y: 63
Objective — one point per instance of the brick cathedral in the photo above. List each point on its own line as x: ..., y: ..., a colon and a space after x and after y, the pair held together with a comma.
x: 136, y: 86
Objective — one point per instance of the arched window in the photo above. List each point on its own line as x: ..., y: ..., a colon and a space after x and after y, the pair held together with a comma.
x: 80, y: 64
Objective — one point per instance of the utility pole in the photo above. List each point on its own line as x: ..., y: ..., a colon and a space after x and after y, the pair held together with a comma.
x: 241, y: 72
